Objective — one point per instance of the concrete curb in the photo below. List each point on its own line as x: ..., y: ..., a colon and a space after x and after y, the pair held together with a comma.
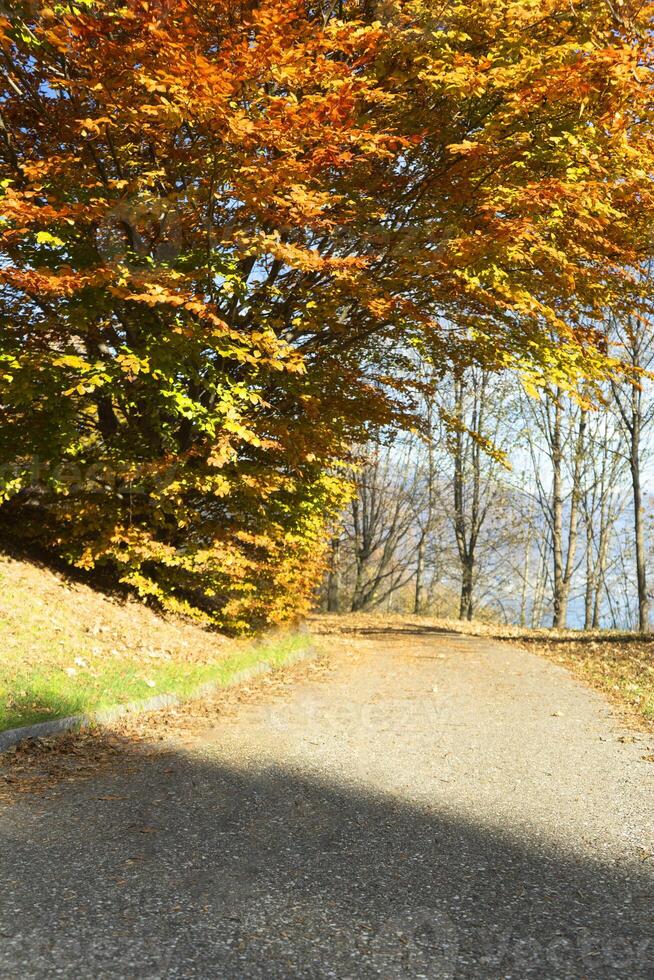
x: 106, y: 716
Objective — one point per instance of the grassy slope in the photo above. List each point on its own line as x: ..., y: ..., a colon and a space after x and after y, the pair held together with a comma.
x: 66, y: 649
x: 620, y: 665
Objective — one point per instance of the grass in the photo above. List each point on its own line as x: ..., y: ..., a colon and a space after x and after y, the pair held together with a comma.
x: 67, y: 650
x: 617, y: 664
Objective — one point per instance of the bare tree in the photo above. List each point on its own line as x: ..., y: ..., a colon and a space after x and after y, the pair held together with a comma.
x: 635, y: 411
x: 475, y: 427
x: 425, y: 502
x: 558, y: 435
x: 602, y: 506
x: 334, y: 576
x: 382, y: 519
x: 438, y: 525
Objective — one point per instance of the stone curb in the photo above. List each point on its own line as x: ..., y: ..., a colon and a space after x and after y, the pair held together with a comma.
x: 106, y: 716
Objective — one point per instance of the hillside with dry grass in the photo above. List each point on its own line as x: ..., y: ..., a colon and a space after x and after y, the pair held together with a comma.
x: 68, y: 649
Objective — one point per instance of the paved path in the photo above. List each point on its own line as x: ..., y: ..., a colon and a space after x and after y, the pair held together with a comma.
x: 436, y: 807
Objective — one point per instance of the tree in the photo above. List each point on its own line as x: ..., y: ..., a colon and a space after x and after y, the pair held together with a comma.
x: 224, y: 227
x: 495, y: 230
x: 425, y: 516
x: 475, y: 445
x: 561, y: 425
x: 334, y: 576
x: 383, y: 514
x: 635, y: 412
x: 602, y: 505
x: 169, y: 173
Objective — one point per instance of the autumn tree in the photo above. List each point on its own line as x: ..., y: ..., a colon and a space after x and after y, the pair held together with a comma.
x: 224, y: 226
x: 173, y: 181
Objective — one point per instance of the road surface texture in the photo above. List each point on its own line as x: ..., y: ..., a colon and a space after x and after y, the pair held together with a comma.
x: 431, y: 806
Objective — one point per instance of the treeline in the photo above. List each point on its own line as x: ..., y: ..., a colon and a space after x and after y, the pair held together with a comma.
x: 506, y: 506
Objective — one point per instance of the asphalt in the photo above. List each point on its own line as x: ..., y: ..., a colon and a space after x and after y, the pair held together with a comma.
x: 436, y: 806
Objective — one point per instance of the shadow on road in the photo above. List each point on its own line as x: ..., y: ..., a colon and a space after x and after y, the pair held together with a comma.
x: 183, y: 868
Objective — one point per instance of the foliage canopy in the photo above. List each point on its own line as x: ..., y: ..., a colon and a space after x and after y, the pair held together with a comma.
x: 225, y: 225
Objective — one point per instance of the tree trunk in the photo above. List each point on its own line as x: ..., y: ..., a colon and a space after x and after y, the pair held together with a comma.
x: 558, y: 618
x: 600, y: 577
x: 563, y: 572
x: 466, y: 607
x: 333, y: 581
x: 526, y: 567
x: 420, y: 563
x: 539, y: 591
x: 639, y: 531
x: 590, y: 592
x: 641, y: 573
x: 606, y: 522
x: 635, y: 336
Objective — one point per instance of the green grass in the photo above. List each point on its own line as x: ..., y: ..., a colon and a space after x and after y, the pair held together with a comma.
x: 50, y: 692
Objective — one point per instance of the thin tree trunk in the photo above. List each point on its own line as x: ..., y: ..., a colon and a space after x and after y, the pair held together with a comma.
x: 333, y: 581
x: 563, y: 572
x: 591, y: 585
x: 525, y: 585
x: 526, y: 567
x: 539, y: 591
x: 639, y: 533
x: 557, y: 514
x: 606, y: 521
x: 636, y: 413
x: 466, y: 604
x: 420, y: 564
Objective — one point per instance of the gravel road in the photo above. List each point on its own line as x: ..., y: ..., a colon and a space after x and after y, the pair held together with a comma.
x: 433, y: 806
